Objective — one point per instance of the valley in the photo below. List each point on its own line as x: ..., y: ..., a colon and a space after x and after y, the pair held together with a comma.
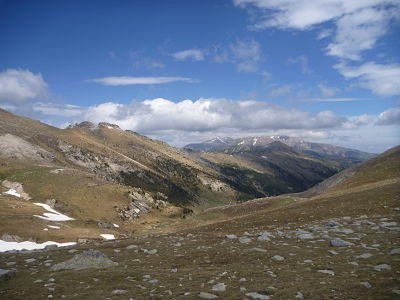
x: 138, y: 219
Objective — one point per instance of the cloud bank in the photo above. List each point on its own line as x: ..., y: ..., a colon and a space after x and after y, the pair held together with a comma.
x: 127, y: 80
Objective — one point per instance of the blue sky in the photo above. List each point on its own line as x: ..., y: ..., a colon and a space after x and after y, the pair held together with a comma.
x: 186, y: 71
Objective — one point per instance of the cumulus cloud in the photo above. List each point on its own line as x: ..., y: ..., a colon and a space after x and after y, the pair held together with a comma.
x: 189, y: 54
x: 389, y: 117
x: 157, y: 116
x: 382, y: 79
x: 127, y: 80
x: 19, y: 86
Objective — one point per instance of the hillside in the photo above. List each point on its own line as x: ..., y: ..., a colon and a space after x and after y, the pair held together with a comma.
x: 339, y: 243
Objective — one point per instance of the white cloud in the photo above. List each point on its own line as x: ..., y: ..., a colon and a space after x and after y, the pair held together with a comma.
x: 304, y: 14
x: 247, y: 55
x: 18, y: 86
x: 189, y: 54
x: 359, y: 31
x: 389, y: 117
x: 160, y: 115
x: 382, y: 79
x: 328, y: 91
x: 357, y: 25
x: 127, y: 80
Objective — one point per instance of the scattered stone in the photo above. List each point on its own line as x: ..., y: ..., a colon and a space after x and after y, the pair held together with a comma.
x: 219, y: 287
x: 230, y: 236
x: 152, y: 251
x: 382, y: 267
x: 332, y: 224
x: 365, y: 255
x: 395, y: 251
x: 299, y: 295
x: 153, y: 281
x: 305, y: 236
x: 257, y: 250
x: 6, y: 274
x: 205, y: 295
x: 257, y: 296
x: 264, y: 236
x: 333, y: 252
x: 244, y: 240
x: 29, y: 260
x: 397, y: 292
x: 278, y: 258
x: 366, y: 284
x: 338, y: 242
x: 174, y: 270
x: 131, y: 247
x: 11, y: 238
x: 87, y: 259
x: 242, y: 279
x: 119, y: 292
x: 330, y: 272
x: 72, y: 251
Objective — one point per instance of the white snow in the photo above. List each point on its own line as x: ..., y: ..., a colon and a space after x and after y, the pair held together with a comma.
x: 8, y: 246
x: 52, y: 226
x: 109, y: 127
x: 53, y: 215
x: 116, y: 225
x: 241, y: 143
x: 107, y: 236
x: 255, y: 141
x: 13, y: 192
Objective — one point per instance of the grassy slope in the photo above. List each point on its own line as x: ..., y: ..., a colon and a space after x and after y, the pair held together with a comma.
x: 204, y: 257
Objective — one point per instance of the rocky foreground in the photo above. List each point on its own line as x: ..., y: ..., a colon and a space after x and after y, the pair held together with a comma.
x: 341, y: 258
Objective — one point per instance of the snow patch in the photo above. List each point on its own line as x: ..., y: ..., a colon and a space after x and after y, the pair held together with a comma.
x: 107, y: 236
x: 53, y: 215
x: 255, y: 141
x: 13, y: 192
x: 26, y: 245
x: 116, y: 225
x: 241, y: 143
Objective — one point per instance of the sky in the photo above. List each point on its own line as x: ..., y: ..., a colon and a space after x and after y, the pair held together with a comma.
x: 326, y: 71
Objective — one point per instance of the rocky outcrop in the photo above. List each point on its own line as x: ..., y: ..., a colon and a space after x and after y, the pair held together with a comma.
x: 87, y: 260
x: 141, y: 202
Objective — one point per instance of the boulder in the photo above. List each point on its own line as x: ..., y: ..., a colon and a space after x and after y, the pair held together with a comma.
x: 86, y: 260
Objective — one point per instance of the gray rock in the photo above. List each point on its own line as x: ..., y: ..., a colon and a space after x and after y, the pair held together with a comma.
x: 6, y: 274
x: 244, y: 240
x: 299, y: 295
x: 305, y: 236
x: 119, y: 292
x: 330, y: 272
x: 11, y: 238
x: 338, y: 242
x: 205, y: 295
x: 366, y: 284
x: 131, y: 247
x: 382, y: 267
x: 231, y: 236
x: 257, y: 296
x: 278, y: 258
x: 264, y: 236
x: 332, y: 224
x: 255, y: 249
x: 86, y: 260
x: 219, y: 287
x: 364, y: 255
x: 395, y: 251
